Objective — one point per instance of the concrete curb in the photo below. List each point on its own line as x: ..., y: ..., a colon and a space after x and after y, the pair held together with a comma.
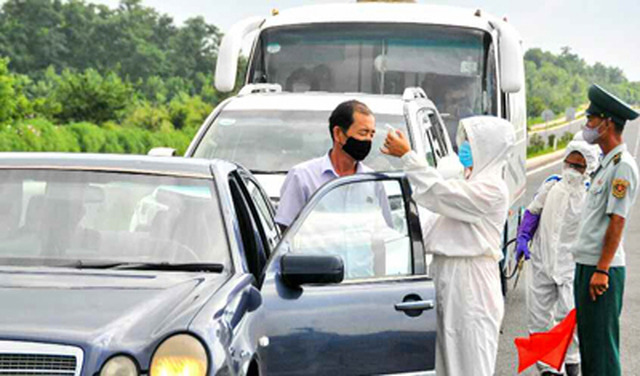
x: 559, y: 123
x: 543, y: 160
x: 557, y: 126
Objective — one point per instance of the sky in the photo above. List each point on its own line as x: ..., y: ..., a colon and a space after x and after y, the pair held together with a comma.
x: 607, y: 31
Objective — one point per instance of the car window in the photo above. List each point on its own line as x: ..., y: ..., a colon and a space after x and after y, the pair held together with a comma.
x: 92, y: 216
x: 277, y: 140
x: 438, y: 134
x: 434, y: 136
x: 264, y: 213
x: 427, y: 138
x: 253, y: 246
x: 365, y: 224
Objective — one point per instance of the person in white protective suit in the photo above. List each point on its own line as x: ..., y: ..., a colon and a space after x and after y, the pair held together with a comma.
x: 466, y: 242
x: 552, y: 222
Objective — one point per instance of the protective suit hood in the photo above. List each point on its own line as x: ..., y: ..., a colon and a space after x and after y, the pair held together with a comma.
x: 491, y: 140
x: 591, y: 153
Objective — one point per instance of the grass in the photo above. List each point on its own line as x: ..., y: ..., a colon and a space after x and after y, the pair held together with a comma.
x: 537, y: 120
x: 546, y: 150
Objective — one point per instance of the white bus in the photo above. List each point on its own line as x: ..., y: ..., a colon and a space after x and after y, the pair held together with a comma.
x: 467, y: 61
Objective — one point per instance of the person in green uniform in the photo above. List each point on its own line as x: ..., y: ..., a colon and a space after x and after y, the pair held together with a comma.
x: 598, y: 251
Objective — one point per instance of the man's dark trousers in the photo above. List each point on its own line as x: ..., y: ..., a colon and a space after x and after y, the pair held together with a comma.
x: 599, y: 322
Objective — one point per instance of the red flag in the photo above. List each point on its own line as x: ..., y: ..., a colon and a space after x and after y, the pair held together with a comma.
x: 548, y: 347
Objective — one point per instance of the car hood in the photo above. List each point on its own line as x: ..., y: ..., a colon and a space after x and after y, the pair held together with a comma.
x: 109, y: 309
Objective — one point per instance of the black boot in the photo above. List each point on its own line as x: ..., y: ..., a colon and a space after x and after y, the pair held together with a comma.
x: 572, y: 369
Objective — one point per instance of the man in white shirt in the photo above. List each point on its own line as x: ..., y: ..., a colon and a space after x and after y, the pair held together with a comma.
x: 352, y: 127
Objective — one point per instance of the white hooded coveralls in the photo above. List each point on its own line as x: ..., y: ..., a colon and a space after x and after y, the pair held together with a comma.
x: 466, y: 241
x: 550, y: 293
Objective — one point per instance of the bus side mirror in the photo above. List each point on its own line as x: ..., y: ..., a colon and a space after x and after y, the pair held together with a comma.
x: 229, y: 52
x: 511, y: 58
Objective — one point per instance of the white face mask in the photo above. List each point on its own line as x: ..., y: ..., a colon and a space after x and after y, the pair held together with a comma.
x: 572, y: 177
x: 591, y: 135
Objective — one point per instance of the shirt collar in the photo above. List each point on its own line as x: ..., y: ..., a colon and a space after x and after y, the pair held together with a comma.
x: 617, y: 150
x: 327, y: 166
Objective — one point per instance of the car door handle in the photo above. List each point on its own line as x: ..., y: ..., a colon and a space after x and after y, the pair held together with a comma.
x: 419, y: 305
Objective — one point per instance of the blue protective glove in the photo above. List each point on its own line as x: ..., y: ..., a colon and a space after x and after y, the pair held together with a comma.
x: 464, y: 153
x: 527, y: 229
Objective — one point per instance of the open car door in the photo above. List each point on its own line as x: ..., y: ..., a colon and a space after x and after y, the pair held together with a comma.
x: 346, y: 290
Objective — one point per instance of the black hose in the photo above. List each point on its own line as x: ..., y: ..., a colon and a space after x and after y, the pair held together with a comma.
x: 504, y: 251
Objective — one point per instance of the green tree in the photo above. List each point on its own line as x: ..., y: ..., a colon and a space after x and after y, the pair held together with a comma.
x: 31, y: 34
x: 135, y: 41
x: 7, y: 94
x: 194, y: 48
x: 187, y: 112
x: 91, y: 97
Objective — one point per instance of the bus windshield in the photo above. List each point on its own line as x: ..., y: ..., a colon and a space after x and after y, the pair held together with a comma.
x: 455, y: 66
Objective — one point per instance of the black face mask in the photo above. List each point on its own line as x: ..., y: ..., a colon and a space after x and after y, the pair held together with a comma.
x: 357, y: 149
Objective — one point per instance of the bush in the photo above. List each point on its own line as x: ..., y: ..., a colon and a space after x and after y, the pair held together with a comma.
x: 536, y: 143
x: 91, y: 138
x: 39, y: 135
x: 566, y: 138
x: 551, y: 140
x: 132, y: 141
x: 112, y: 144
x: 149, y: 117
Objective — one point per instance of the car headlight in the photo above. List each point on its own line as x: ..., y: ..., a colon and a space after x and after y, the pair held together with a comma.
x: 181, y: 355
x: 119, y: 366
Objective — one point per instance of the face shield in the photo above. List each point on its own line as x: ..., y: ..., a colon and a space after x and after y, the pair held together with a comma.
x: 464, y: 150
x: 461, y: 135
x: 591, y: 153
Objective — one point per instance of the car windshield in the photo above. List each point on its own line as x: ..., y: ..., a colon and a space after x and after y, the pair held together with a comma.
x: 275, y: 141
x: 49, y: 217
x: 455, y: 66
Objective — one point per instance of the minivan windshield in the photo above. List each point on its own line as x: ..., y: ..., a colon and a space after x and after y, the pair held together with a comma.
x: 56, y: 217
x: 455, y: 66
x: 271, y: 141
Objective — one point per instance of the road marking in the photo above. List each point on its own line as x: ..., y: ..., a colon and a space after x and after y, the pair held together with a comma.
x: 545, y: 167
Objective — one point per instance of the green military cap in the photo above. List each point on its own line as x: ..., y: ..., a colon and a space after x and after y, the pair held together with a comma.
x: 607, y: 105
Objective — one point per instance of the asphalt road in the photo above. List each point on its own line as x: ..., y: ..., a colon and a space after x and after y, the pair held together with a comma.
x: 514, y: 323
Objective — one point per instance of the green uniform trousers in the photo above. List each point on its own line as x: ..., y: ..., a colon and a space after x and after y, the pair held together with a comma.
x: 598, y: 322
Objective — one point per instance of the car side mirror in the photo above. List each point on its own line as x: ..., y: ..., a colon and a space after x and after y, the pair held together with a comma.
x: 162, y: 152
x: 302, y: 269
x: 450, y: 167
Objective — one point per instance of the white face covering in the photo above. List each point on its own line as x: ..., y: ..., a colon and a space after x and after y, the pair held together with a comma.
x: 572, y: 177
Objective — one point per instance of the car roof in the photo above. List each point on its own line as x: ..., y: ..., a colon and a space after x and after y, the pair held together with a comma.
x: 141, y: 164
x: 315, y: 101
x: 382, y: 13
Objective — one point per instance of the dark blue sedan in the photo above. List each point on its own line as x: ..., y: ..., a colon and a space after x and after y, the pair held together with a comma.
x: 136, y: 265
